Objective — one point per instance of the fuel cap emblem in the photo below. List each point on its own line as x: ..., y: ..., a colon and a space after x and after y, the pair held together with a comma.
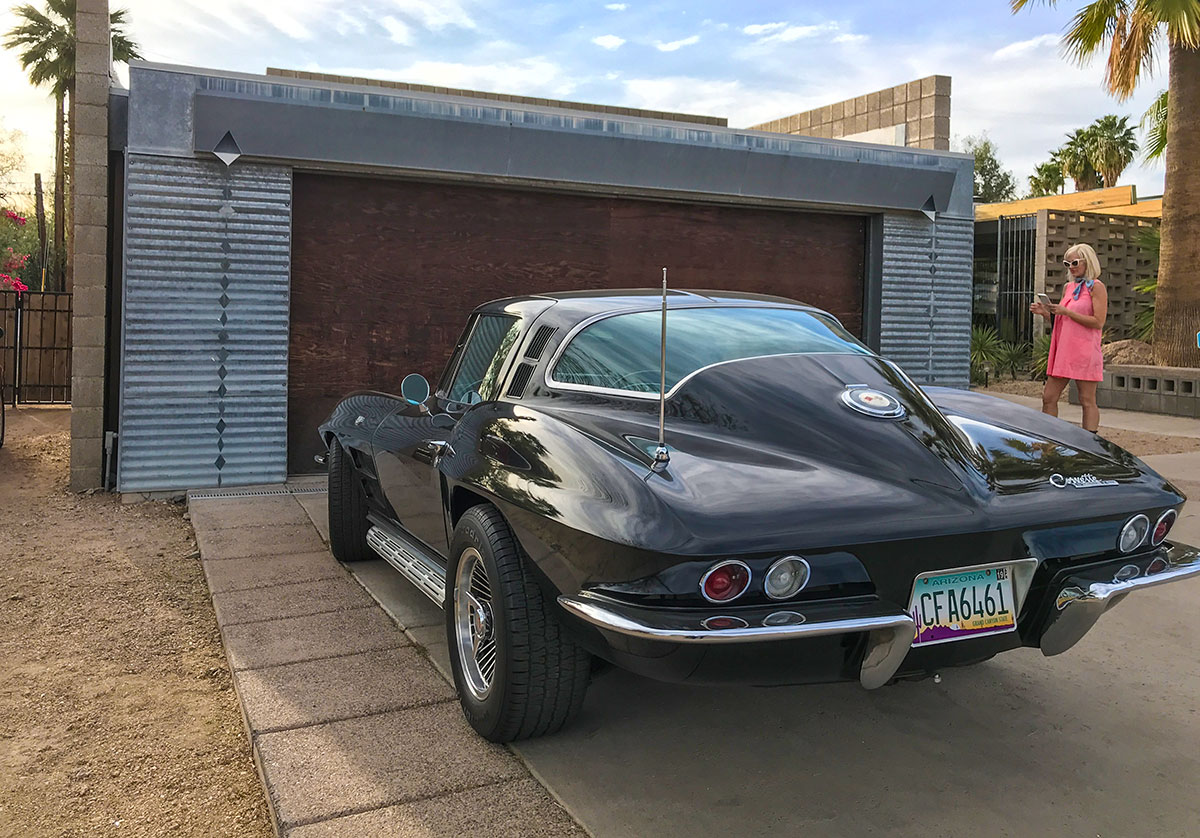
x: 872, y: 402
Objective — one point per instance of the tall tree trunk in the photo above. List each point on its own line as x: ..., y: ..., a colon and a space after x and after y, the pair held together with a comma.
x: 40, y: 208
x: 1177, y: 301
x: 60, y: 215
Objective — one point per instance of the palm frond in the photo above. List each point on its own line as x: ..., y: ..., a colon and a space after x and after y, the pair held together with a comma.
x: 1092, y: 25
x: 1182, y: 18
x: 1154, y: 123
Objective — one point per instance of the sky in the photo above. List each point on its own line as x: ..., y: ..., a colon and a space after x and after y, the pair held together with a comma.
x: 749, y: 63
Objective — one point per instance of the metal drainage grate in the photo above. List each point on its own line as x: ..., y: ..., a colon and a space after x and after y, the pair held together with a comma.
x: 256, y: 493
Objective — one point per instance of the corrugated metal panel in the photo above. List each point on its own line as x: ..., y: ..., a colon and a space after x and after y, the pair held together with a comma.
x: 205, y: 345
x: 926, y: 300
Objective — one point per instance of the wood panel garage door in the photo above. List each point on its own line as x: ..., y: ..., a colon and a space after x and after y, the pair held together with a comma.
x: 384, y: 272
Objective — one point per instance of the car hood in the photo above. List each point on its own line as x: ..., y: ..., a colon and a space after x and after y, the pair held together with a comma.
x: 766, y: 455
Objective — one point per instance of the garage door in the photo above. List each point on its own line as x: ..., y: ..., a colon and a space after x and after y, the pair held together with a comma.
x: 384, y: 272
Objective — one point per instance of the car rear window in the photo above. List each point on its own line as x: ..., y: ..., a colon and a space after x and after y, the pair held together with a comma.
x: 622, y: 352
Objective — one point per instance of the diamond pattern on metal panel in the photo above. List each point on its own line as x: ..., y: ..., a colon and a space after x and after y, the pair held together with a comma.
x: 204, y: 354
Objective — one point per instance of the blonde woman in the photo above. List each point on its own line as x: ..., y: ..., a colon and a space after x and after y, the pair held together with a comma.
x: 1075, y: 340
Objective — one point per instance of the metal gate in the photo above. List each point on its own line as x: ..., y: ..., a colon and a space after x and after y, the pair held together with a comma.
x: 35, y: 351
x: 1016, y: 251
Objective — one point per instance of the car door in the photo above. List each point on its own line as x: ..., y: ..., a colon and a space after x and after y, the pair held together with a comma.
x: 409, y: 447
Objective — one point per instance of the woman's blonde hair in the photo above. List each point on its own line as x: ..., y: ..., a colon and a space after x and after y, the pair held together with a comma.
x: 1089, y: 258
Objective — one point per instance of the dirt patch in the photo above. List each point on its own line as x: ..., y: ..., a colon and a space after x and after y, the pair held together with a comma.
x: 1019, y: 387
x: 1143, y: 445
x: 117, y: 711
x: 1129, y: 352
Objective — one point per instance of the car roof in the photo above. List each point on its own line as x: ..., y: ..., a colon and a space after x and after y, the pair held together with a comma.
x: 568, y: 307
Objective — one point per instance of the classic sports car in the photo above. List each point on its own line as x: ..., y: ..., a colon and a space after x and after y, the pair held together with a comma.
x: 813, y: 516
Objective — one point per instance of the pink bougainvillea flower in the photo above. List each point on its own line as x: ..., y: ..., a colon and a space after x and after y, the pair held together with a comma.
x: 13, y: 283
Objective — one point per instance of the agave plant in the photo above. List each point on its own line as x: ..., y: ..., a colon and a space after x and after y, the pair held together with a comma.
x: 1011, y: 357
x: 1041, y: 357
x: 985, y: 350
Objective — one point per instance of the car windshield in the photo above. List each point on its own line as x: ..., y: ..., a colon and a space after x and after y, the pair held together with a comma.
x: 622, y: 352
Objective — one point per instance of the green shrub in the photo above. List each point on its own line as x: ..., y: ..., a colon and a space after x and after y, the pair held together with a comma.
x: 1041, y: 357
x: 985, y: 351
x: 1011, y: 357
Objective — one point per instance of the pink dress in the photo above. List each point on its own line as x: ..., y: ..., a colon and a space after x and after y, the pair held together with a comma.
x: 1075, y: 348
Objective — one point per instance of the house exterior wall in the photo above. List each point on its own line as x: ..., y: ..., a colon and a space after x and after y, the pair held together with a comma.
x: 925, y: 323
x: 205, y: 349
x: 204, y: 401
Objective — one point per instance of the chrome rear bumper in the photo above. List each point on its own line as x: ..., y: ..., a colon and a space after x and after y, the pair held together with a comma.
x: 1080, y: 602
x: 889, y: 632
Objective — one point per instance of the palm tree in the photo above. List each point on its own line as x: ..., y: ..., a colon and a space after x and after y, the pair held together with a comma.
x: 47, y: 43
x: 1113, y: 146
x: 1154, y: 122
x: 1047, y: 178
x: 1128, y: 31
x: 1076, y: 158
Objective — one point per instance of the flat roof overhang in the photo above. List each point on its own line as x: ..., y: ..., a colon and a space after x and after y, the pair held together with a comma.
x: 320, y: 125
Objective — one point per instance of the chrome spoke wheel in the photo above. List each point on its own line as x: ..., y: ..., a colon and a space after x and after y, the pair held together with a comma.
x: 474, y: 624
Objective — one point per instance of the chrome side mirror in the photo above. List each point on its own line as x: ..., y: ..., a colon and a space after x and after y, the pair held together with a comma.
x: 414, y: 388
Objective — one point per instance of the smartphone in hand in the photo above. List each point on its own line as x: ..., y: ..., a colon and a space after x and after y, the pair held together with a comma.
x: 1044, y: 300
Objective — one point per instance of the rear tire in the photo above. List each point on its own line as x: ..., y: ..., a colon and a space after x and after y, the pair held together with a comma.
x: 518, y: 673
x: 347, y: 508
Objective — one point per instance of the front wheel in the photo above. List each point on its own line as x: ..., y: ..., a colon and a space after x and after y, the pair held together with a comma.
x: 517, y: 672
x: 347, y: 508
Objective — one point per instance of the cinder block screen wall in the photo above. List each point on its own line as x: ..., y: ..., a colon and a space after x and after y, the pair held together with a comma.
x: 922, y: 107
x: 1123, y: 261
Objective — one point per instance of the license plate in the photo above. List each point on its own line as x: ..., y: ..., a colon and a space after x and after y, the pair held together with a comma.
x: 957, y: 604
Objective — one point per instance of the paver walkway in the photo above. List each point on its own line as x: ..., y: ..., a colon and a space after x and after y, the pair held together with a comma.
x: 353, y: 730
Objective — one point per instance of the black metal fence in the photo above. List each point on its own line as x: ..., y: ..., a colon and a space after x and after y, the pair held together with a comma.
x: 1016, y: 260
x: 35, y: 351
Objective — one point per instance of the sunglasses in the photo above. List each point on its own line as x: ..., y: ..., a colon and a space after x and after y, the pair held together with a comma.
x: 1071, y: 264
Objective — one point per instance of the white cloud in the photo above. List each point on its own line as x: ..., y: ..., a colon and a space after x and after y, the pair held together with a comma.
x: 763, y: 28
x: 434, y: 15
x: 608, y: 41
x: 685, y: 94
x: 674, y: 45
x: 397, y: 30
x: 796, y: 33
x: 1038, y: 44
x: 848, y: 38
x: 617, y: 7
x: 534, y: 76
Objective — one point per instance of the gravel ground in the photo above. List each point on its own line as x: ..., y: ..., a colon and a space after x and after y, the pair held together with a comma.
x: 117, y: 712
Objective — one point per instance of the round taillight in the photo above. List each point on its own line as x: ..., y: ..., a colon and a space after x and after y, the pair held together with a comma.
x: 787, y: 577
x: 1133, y: 533
x: 725, y: 581
x: 1165, y: 522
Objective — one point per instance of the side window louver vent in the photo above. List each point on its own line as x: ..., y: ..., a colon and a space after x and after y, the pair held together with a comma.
x: 538, y: 344
x: 520, y: 379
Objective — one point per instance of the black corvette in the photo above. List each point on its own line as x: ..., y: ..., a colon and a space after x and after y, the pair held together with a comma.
x: 814, y: 515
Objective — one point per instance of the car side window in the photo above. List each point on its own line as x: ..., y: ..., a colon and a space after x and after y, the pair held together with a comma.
x: 482, y: 359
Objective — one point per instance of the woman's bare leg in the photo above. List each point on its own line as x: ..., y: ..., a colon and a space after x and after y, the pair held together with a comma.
x: 1051, y: 392
x: 1087, y: 400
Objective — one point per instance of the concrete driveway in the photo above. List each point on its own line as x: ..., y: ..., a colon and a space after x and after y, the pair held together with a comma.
x: 1101, y: 741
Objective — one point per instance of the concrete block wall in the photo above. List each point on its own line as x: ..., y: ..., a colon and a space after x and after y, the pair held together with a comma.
x: 1171, y: 390
x: 1123, y: 263
x: 921, y: 106
x: 87, y: 253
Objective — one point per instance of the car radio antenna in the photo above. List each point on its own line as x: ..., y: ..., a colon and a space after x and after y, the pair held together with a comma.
x: 661, y: 455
